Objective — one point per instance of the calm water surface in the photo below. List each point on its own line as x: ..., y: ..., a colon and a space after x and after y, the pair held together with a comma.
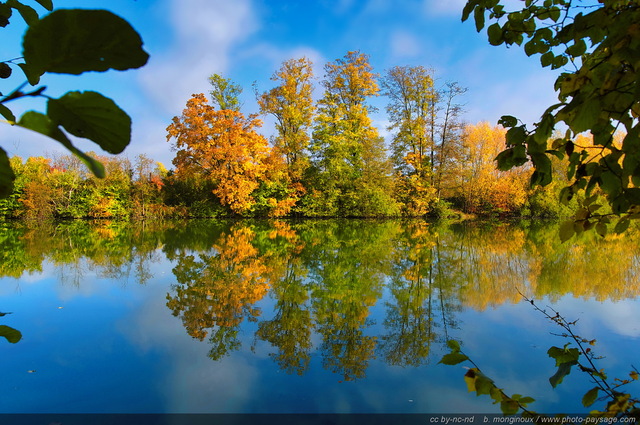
x: 310, y: 316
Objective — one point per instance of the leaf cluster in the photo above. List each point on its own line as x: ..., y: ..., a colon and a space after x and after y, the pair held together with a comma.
x: 566, y: 357
x: 70, y: 41
x: 10, y: 334
x: 597, y: 47
x: 481, y: 384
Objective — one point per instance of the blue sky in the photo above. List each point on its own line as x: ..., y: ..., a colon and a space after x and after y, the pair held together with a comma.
x: 247, y: 40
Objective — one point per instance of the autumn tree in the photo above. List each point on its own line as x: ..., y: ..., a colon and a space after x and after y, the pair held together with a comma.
x: 449, y: 134
x: 224, y: 148
x: 291, y: 104
x: 224, y: 93
x: 425, y: 121
x: 597, y: 47
x: 221, y: 146
x: 479, y: 185
x: 344, y: 139
x: 412, y: 109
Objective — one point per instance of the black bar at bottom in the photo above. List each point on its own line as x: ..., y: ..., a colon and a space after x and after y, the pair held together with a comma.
x: 302, y: 419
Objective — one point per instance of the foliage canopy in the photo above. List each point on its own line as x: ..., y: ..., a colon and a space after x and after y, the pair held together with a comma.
x: 597, y: 46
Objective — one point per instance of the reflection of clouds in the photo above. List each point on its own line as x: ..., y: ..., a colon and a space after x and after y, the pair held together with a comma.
x: 191, y: 382
x: 619, y: 317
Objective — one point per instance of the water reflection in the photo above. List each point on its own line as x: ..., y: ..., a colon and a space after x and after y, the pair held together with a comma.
x: 322, y: 279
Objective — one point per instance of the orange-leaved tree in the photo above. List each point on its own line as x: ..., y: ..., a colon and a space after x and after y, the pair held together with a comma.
x: 223, y: 147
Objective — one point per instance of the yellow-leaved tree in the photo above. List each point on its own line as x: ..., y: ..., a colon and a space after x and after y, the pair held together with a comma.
x: 482, y: 187
x: 291, y: 104
x: 224, y: 148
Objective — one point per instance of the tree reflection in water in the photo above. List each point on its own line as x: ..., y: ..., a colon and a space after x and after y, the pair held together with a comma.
x: 324, y: 277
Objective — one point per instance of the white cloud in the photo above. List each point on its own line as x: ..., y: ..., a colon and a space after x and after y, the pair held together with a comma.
x: 205, y: 33
x: 404, y: 45
x: 444, y: 7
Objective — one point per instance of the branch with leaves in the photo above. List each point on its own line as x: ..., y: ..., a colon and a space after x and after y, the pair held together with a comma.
x: 566, y: 357
x: 597, y: 46
x: 71, y: 41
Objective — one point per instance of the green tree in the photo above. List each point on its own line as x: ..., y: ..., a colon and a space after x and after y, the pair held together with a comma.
x: 597, y: 46
x: 426, y: 140
x: 225, y: 93
x: 412, y: 109
x: 291, y: 104
x: 71, y: 41
x: 344, y: 139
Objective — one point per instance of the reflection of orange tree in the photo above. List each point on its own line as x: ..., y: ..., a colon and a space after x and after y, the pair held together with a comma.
x: 220, y: 289
x: 497, y: 262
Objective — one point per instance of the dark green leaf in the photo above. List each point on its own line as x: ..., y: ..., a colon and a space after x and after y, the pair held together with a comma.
x: 586, y: 116
x: 495, y: 34
x: 41, y: 123
x: 505, y: 160
x: 516, y: 135
x: 508, y: 121
x: 577, y: 49
x: 6, y: 113
x: 453, y: 358
x: 5, y: 14
x: 92, y: 116
x: 559, y: 62
x: 453, y: 344
x: 622, y: 225
x: 601, y: 229
x: 6, y: 175
x: 12, y: 335
x: 542, y: 164
x: 478, y: 15
x: 590, y: 397
x: 29, y: 15
x: 47, y: 4
x: 468, y: 8
x: 544, y: 129
x: 77, y: 40
x: 34, y: 78
x: 563, y: 370
x: 566, y: 230
x: 531, y: 47
x: 547, y: 59
x: 5, y: 70
x: 633, y: 195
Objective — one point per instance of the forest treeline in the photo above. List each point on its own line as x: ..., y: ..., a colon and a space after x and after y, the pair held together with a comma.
x: 326, y: 158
